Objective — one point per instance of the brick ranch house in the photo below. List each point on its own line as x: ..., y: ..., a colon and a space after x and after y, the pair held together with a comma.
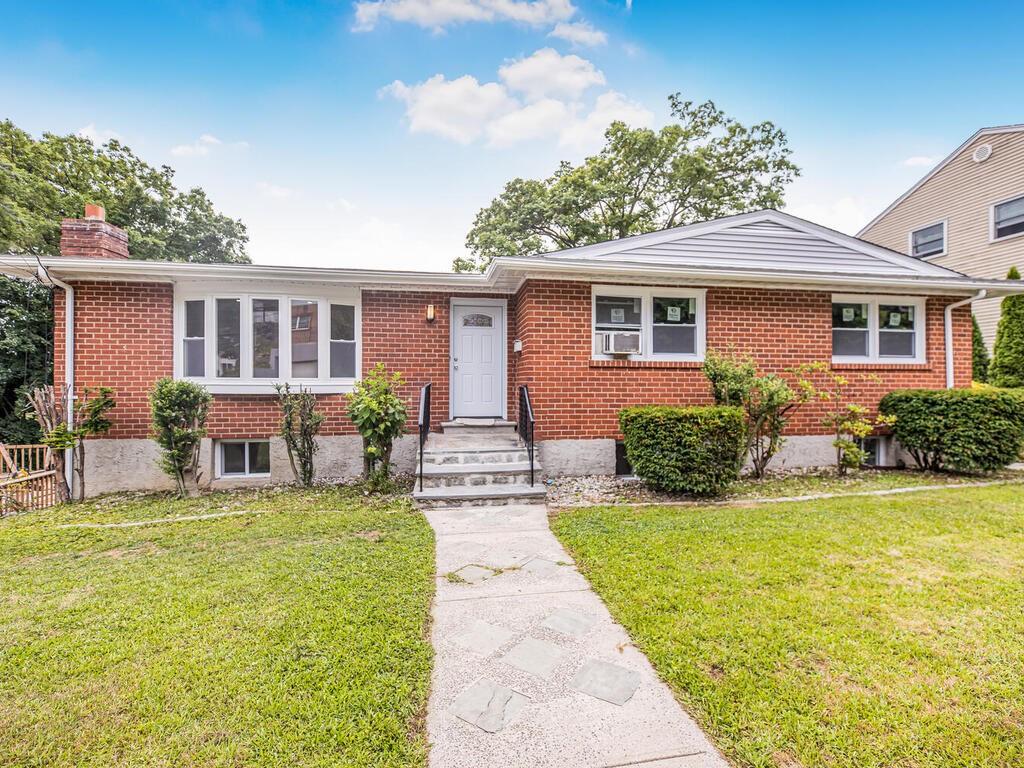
x: 590, y: 330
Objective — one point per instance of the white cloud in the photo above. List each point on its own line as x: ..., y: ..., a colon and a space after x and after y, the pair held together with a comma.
x: 97, y: 136
x: 457, y: 109
x: 919, y: 161
x: 587, y: 133
x: 534, y: 121
x: 437, y: 14
x: 204, y: 146
x: 273, y: 191
x: 539, y: 96
x: 547, y: 73
x: 579, y: 33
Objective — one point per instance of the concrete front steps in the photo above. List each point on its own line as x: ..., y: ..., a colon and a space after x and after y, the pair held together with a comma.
x: 477, y: 462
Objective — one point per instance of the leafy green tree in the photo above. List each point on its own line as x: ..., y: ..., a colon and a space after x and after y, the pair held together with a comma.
x: 1007, y: 368
x: 44, y: 180
x: 702, y: 166
x: 979, y: 353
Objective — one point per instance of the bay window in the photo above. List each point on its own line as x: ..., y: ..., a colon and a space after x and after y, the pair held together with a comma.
x: 887, y: 329
x: 648, y: 323
x: 261, y: 339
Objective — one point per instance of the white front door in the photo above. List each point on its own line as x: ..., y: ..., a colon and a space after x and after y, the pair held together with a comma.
x: 477, y: 364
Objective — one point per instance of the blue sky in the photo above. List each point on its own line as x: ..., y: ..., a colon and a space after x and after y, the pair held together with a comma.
x: 369, y: 133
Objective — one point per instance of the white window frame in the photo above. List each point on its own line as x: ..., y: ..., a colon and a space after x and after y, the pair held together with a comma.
x: 219, y: 460
x: 930, y: 256
x: 874, y: 301
x: 284, y: 294
x: 992, y: 219
x: 647, y: 295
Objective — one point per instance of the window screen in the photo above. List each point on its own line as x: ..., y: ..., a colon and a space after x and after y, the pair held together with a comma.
x: 229, y: 338
x: 195, y: 339
x: 850, y: 330
x: 928, y: 241
x: 343, y: 341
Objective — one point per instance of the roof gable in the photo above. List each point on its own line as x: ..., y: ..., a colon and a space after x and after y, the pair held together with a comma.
x: 764, y: 240
x: 1017, y: 128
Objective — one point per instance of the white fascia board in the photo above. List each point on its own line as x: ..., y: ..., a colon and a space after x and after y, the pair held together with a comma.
x: 946, y: 161
x: 162, y: 271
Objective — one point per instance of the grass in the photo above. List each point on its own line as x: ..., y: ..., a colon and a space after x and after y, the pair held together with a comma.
x: 295, y: 637
x: 824, y: 481
x: 871, y: 631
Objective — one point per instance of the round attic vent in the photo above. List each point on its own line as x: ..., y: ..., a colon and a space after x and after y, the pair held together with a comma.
x: 982, y: 153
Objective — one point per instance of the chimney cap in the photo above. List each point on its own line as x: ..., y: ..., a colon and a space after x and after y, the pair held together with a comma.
x: 95, y: 212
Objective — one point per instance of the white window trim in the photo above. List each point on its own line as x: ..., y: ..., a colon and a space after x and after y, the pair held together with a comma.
x: 873, y: 301
x: 992, y: 220
x: 219, y: 460
x: 246, y: 383
x: 930, y: 256
x: 646, y: 295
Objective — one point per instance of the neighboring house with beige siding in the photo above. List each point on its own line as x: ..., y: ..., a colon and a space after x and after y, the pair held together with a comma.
x: 966, y: 214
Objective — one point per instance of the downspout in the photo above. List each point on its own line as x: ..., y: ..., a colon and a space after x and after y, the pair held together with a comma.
x: 950, y: 381
x: 69, y: 367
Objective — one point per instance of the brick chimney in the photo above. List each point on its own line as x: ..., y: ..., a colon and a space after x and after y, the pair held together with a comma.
x: 92, y: 237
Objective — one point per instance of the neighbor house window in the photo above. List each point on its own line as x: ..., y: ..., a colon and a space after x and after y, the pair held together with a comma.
x: 243, y: 458
x: 877, y: 329
x: 249, y: 343
x: 928, y: 241
x: 1008, y: 218
x: 647, y: 323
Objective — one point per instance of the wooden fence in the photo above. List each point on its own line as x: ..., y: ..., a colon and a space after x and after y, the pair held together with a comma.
x: 28, y: 480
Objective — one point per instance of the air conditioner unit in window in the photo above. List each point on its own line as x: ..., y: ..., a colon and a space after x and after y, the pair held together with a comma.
x: 620, y: 343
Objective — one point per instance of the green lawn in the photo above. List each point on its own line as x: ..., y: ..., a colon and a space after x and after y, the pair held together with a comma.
x: 295, y: 637
x: 871, y: 631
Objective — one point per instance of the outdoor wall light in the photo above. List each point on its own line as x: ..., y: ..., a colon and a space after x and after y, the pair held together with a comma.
x: 430, y: 313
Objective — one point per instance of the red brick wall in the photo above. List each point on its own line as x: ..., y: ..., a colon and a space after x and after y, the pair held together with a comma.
x: 124, y: 339
x: 574, y: 396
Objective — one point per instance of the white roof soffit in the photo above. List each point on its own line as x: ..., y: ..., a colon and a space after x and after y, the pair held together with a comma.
x: 1019, y: 127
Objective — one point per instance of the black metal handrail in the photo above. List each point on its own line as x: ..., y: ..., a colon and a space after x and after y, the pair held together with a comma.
x: 527, y: 424
x: 424, y: 423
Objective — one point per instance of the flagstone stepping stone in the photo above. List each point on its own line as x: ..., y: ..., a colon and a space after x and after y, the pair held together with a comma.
x: 538, y: 657
x: 474, y: 574
x: 483, y: 638
x: 487, y: 705
x: 569, y: 622
x: 540, y: 566
x: 606, y: 681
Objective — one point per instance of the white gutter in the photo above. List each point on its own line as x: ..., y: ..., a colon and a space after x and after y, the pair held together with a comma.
x: 950, y: 379
x: 69, y: 366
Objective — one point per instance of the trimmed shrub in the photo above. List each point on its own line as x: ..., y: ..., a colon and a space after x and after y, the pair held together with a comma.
x: 980, y: 360
x: 697, y: 450
x: 1007, y: 367
x: 966, y: 430
x: 377, y: 410
x: 179, y: 410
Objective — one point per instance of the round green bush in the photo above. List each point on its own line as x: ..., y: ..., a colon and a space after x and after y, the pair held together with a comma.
x: 966, y: 430
x: 695, y: 450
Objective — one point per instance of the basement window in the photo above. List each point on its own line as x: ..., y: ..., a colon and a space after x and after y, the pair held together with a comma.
x: 243, y: 458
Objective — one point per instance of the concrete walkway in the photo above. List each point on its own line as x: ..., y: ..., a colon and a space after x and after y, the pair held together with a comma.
x: 530, y: 669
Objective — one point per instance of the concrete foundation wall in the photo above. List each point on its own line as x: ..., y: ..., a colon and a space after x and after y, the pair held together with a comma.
x: 560, y: 458
x: 134, y: 465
